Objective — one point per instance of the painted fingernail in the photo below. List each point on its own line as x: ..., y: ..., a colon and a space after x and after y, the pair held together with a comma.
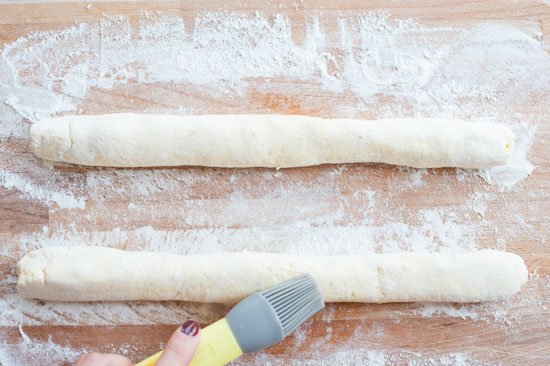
x: 191, y: 328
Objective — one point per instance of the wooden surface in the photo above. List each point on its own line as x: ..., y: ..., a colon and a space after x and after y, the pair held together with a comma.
x: 399, y: 331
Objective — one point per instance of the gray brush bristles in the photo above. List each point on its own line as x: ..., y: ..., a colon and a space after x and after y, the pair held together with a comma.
x: 294, y: 301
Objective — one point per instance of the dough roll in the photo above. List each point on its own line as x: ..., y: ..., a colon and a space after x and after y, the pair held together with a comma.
x: 272, y: 141
x: 82, y: 273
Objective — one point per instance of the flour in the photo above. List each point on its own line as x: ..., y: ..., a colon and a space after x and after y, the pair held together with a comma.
x: 10, y: 180
x: 436, y: 232
x: 369, y: 66
x: 30, y: 352
x: 519, y: 167
x: 477, y: 203
x: 367, y: 357
x: 462, y: 311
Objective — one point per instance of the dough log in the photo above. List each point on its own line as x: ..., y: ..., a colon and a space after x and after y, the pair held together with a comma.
x: 273, y: 141
x: 82, y: 273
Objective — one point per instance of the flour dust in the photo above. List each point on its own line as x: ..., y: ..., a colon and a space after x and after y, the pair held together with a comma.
x: 371, y: 65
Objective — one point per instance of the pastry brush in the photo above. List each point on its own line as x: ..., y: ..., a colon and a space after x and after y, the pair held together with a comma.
x: 257, y: 322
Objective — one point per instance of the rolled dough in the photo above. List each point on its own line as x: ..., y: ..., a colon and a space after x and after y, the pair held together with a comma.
x: 81, y: 273
x: 274, y: 141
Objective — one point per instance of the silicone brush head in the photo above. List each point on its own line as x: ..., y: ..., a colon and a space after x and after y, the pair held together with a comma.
x: 268, y: 316
x: 294, y: 301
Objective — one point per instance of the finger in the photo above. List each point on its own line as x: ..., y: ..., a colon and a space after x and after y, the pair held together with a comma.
x: 98, y: 359
x: 181, y: 346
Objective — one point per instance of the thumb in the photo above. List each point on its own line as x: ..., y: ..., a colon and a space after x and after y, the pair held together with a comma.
x: 181, y: 346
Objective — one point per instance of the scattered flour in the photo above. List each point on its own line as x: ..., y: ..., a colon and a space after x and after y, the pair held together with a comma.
x: 11, y: 180
x: 30, y: 352
x: 435, y: 232
x: 375, y: 67
x: 461, y: 311
x: 365, y: 357
x: 519, y: 167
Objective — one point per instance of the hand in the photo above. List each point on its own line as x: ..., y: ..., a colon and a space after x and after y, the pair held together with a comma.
x: 179, y: 350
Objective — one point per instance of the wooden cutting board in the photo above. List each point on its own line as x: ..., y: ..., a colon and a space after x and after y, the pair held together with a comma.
x: 512, y: 333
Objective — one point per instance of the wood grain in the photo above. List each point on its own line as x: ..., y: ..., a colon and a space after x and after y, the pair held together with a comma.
x: 399, y: 330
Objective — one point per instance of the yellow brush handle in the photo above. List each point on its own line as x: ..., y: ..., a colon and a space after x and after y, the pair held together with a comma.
x: 217, y: 347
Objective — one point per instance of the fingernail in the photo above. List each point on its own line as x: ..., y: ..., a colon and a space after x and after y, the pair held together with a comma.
x: 191, y: 328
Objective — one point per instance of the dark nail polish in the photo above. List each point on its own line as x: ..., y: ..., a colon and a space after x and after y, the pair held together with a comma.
x: 191, y: 328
